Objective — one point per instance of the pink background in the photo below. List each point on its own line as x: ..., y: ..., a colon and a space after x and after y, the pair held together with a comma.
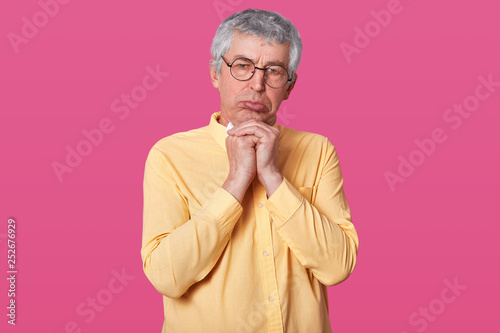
x: 440, y: 224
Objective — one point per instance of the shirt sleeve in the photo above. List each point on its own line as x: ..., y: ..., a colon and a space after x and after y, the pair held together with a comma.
x: 178, y: 249
x: 321, y: 236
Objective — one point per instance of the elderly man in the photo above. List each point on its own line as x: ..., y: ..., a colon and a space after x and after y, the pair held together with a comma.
x: 246, y: 221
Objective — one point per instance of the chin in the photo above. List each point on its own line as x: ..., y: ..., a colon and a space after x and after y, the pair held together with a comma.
x: 249, y: 114
x: 265, y: 118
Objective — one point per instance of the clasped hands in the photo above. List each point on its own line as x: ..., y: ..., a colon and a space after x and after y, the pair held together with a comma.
x: 252, y: 149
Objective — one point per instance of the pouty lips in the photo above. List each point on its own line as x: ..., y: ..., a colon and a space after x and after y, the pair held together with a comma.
x: 254, y: 105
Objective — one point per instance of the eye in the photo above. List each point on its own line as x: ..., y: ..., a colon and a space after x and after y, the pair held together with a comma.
x: 275, y: 71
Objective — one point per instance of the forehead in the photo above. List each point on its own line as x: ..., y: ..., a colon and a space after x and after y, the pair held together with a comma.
x: 258, y: 50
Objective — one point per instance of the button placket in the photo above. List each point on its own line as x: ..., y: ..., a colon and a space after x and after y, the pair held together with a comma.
x: 265, y: 246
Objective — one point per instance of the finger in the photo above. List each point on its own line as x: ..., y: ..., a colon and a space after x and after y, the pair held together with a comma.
x: 253, y: 130
x: 256, y: 123
x: 250, y: 139
x: 252, y: 122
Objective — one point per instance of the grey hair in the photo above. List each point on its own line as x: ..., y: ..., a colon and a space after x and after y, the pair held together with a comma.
x: 260, y: 23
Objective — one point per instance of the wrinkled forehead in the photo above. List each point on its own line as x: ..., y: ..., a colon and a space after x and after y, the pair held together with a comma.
x: 258, y: 49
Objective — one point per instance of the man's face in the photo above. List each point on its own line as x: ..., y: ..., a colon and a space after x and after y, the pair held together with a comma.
x: 252, y: 99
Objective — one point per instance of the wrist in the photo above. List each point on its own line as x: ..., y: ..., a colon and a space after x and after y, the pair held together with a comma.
x: 271, y: 181
x: 236, y: 186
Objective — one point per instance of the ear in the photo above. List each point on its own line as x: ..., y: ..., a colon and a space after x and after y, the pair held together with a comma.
x: 213, y: 74
x: 290, y: 87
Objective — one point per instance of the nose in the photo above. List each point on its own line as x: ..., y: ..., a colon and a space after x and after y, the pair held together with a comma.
x: 257, y: 81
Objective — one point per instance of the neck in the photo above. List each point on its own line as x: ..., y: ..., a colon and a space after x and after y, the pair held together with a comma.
x: 223, y: 121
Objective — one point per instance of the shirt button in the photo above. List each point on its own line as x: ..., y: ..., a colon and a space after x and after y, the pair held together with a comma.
x: 266, y: 253
x: 271, y: 298
x: 260, y: 204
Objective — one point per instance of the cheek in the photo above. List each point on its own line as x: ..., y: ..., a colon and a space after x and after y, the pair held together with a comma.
x: 276, y: 98
x: 228, y: 90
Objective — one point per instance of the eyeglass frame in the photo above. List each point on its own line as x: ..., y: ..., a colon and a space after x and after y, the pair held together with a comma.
x: 253, y: 72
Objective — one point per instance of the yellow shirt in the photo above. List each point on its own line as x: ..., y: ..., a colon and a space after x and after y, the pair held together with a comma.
x: 262, y: 266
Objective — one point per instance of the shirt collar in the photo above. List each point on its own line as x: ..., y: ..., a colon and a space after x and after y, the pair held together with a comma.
x: 218, y: 131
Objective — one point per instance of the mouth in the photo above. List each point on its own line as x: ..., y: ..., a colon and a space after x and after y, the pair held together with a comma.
x: 254, y: 106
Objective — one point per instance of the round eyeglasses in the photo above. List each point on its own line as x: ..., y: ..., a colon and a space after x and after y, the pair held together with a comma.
x: 243, y: 69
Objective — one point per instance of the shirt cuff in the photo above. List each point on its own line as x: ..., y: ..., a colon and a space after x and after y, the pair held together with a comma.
x: 224, y: 208
x: 284, y: 202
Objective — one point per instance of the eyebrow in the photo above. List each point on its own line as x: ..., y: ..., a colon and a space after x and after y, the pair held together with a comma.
x: 270, y: 63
